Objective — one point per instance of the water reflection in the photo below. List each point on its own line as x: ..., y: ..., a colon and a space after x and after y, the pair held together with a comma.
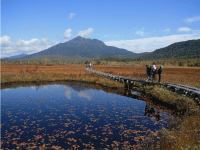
x: 80, y: 92
x: 74, y: 116
x: 150, y: 112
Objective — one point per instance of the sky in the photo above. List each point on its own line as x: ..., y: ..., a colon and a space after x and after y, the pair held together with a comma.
x: 30, y: 26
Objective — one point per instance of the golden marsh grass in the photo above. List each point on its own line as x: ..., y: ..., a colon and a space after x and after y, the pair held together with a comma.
x: 180, y: 75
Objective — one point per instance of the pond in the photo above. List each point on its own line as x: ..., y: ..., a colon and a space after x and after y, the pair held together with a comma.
x: 74, y: 116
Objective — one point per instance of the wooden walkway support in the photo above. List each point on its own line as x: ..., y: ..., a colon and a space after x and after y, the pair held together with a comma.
x: 192, y: 92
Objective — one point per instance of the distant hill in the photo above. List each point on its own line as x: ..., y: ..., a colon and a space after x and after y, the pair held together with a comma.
x: 123, y: 59
x: 81, y: 49
x: 181, y: 50
x: 16, y: 56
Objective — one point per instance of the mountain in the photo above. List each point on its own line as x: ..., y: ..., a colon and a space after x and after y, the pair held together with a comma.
x: 16, y: 56
x: 181, y: 50
x: 81, y: 49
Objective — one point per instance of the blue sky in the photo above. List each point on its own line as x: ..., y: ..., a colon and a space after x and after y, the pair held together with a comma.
x: 30, y: 26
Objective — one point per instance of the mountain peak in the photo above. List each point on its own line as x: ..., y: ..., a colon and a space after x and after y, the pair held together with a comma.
x: 78, y: 38
x: 81, y: 40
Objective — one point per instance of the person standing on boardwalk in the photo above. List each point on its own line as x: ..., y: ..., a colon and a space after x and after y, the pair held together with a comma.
x: 154, y: 72
x: 148, y: 75
x: 90, y: 66
x: 159, y: 73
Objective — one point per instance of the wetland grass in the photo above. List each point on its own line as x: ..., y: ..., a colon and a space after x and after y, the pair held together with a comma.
x: 35, y: 73
x: 182, y: 134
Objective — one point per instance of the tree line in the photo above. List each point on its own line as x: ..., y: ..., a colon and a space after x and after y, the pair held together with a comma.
x: 116, y: 61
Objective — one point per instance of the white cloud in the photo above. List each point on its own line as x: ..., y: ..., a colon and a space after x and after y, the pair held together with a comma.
x: 10, y: 48
x: 71, y: 15
x: 140, y: 32
x: 86, y: 33
x: 152, y: 43
x: 5, y: 40
x: 67, y: 34
x: 52, y: 42
x: 67, y: 92
x: 184, y: 29
x: 167, y: 30
x: 85, y: 94
x: 192, y: 19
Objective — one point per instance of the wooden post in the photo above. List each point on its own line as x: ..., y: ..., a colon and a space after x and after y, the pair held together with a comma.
x: 177, y: 90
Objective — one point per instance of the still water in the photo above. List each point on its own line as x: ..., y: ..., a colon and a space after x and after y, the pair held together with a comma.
x: 74, y: 116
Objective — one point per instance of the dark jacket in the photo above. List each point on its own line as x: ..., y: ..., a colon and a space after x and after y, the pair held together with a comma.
x: 160, y: 71
x: 149, y: 70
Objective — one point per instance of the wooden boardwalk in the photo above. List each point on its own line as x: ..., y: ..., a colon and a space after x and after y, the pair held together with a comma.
x: 191, y: 92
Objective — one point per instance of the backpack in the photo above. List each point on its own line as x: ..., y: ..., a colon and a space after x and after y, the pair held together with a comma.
x: 154, y: 71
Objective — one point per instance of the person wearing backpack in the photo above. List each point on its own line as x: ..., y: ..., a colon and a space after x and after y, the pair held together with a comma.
x: 90, y: 66
x: 159, y: 73
x: 154, y: 72
x: 149, y: 73
x: 148, y: 68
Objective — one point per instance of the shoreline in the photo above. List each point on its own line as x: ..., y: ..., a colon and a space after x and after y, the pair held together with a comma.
x: 147, y: 91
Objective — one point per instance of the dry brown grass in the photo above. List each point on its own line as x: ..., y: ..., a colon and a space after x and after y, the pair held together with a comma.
x: 53, y: 69
x: 180, y: 75
x: 18, y: 73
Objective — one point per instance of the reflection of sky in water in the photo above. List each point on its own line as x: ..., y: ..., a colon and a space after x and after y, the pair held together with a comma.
x: 84, y: 93
x: 74, y: 115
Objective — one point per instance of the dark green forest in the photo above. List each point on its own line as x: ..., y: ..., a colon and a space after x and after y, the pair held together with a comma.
x: 181, y: 50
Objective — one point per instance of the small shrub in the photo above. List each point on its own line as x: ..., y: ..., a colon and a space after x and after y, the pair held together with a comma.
x: 181, y: 63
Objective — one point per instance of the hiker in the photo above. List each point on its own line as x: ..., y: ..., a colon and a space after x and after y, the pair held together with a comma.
x: 154, y: 72
x: 159, y: 73
x: 148, y: 69
x: 149, y: 73
x: 90, y: 66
